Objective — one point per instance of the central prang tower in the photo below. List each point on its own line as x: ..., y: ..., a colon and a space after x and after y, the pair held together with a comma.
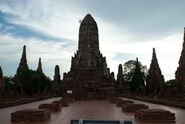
x: 89, y: 76
x: 88, y: 56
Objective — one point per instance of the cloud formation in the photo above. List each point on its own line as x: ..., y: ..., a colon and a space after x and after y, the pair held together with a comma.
x: 129, y: 30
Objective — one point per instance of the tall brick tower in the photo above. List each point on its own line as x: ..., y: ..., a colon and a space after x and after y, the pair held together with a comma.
x: 89, y: 76
x: 155, y: 80
x: 180, y: 73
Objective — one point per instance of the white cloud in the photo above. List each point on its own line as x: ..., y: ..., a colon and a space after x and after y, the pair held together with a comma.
x: 60, y: 19
x: 52, y: 53
x: 50, y: 17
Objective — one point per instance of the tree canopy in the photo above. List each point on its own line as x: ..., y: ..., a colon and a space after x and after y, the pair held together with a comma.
x: 34, y: 81
x: 135, y: 75
x: 129, y: 69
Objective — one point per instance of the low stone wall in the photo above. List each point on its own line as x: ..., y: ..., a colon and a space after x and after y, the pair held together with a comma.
x: 13, y: 102
x: 30, y: 115
x: 157, y: 101
x: 131, y: 107
x: 63, y: 103
x: 121, y: 102
x: 52, y: 107
x: 154, y: 116
x: 115, y: 100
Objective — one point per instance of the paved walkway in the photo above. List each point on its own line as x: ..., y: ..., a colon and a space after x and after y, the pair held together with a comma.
x: 88, y: 110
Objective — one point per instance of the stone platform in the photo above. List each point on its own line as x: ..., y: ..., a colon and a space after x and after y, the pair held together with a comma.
x: 52, y: 107
x: 154, y: 116
x: 98, y: 110
x: 68, y: 99
x: 121, y: 102
x: 63, y: 103
x: 115, y: 100
x: 131, y: 107
x: 30, y: 115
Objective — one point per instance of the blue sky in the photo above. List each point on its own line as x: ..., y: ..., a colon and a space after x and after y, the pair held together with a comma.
x: 127, y: 29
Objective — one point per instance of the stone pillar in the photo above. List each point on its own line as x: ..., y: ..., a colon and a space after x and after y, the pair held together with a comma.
x: 155, y: 80
x: 39, y: 68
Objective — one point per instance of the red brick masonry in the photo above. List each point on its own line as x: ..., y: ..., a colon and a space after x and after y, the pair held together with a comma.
x: 63, y: 103
x: 121, y: 102
x: 51, y: 107
x: 115, y: 100
x: 30, y: 115
x: 154, y: 116
x: 131, y: 107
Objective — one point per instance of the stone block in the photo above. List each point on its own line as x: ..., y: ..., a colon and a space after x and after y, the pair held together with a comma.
x: 30, y: 115
x: 121, y: 102
x: 63, y: 103
x: 68, y: 99
x: 131, y: 107
x: 52, y: 107
x: 114, y: 100
x: 154, y: 116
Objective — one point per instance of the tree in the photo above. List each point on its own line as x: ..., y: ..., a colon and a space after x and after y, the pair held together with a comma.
x: 8, y: 85
x: 129, y: 68
x: 135, y: 75
x: 34, y: 81
x: 170, y: 82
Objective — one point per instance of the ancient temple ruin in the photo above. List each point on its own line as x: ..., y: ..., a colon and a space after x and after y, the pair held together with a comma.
x: 1, y: 77
x: 23, y: 61
x: 57, y: 75
x: 120, y: 74
x: 22, y: 65
x: 155, y: 79
x: 120, y: 82
x: 1, y: 81
x: 89, y: 76
x: 39, y: 68
x: 180, y: 73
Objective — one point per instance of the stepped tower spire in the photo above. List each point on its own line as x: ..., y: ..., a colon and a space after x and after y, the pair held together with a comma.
x: 23, y: 61
x: 155, y: 79
x: 39, y: 68
x: 57, y: 74
x: 180, y: 73
x: 1, y: 76
x: 89, y: 75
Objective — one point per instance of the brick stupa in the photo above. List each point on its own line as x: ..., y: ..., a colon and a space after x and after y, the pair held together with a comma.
x: 22, y: 65
x: 120, y: 74
x: 89, y: 76
x: 1, y: 81
x: 155, y: 79
x: 180, y: 73
x: 1, y: 77
x: 39, y: 68
x: 57, y: 75
x: 23, y: 62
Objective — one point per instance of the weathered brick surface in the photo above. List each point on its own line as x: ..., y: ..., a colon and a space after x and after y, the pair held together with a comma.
x: 30, y: 115
x: 114, y: 100
x: 68, y: 99
x: 121, y: 102
x: 51, y: 107
x: 154, y: 116
x: 131, y: 107
x: 155, y: 79
x: 63, y: 103
x: 89, y: 77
